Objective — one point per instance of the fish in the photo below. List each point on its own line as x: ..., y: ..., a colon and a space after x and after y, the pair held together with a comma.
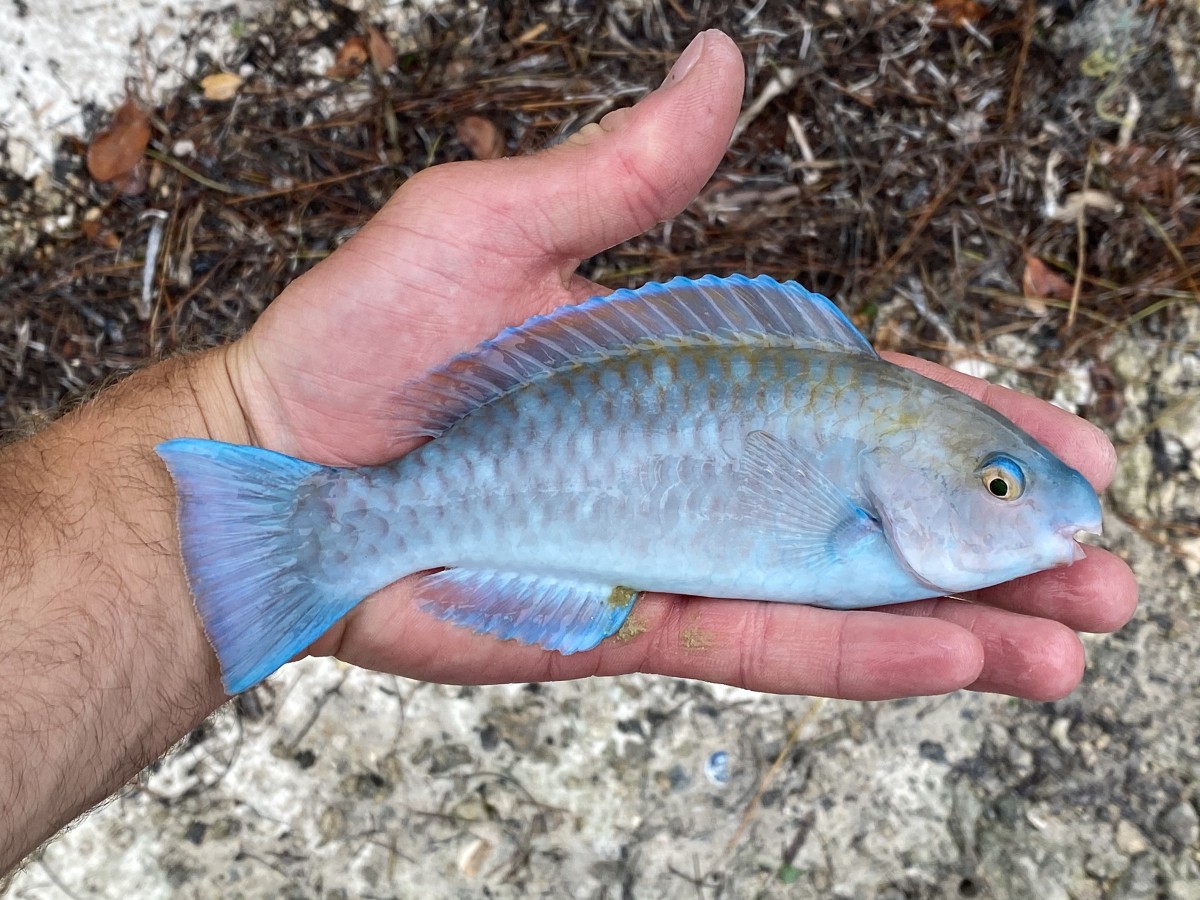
x: 727, y: 437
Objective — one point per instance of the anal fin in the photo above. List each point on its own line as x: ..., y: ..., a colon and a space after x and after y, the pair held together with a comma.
x: 554, y: 613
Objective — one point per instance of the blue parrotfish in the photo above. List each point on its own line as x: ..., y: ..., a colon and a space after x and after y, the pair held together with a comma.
x: 723, y: 437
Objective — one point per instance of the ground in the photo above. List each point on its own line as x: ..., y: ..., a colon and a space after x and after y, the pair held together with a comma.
x: 1009, y: 188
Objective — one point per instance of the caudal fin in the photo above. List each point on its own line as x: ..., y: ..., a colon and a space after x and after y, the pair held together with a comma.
x: 255, y: 583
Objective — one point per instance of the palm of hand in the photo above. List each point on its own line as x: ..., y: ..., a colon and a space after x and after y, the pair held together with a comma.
x: 464, y: 250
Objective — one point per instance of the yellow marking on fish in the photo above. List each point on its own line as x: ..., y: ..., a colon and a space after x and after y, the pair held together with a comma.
x: 694, y: 638
x: 621, y: 596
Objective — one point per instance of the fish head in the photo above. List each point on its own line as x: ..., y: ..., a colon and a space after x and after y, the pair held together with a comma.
x: 991, y: 506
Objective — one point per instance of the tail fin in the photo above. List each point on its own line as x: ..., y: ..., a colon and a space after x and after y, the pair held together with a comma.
x: 256, y: 587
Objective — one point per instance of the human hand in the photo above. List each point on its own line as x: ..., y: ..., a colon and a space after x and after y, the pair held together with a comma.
x: 465, y: 249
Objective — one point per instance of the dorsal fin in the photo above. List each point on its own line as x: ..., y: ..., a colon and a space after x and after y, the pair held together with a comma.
x: 718, y: 311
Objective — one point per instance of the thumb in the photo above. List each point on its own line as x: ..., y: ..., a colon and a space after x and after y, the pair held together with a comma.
x: 611, y: 180
x: 640, y: 165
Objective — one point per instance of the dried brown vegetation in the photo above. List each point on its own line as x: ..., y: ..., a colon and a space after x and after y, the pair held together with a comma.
x: 907, y: 159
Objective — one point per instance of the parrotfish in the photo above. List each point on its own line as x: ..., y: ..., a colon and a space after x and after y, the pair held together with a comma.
x: 724, y: 437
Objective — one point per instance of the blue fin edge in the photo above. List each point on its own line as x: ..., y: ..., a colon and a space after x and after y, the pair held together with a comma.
x: 253, y: 580
x: 555, y: 613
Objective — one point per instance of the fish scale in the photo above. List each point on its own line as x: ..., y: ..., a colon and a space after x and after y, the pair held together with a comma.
x: 622, y: 513
x: 734, y: 438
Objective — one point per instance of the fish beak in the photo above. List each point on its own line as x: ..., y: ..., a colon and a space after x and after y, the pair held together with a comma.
x: 1071, y: 533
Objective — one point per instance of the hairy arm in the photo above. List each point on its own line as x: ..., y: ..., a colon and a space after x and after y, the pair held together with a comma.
x: 103, y: 664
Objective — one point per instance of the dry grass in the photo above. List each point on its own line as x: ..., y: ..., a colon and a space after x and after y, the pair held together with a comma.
x: 903, y: 158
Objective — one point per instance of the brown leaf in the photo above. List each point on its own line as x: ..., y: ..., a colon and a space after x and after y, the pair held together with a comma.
x: 1042, y: 282
x: 220, y: 86
x: 134, y: 181
x: 350, y: 59
x: 481, y: 137
x: 115, y: 152
x: 958, y: 13
x: 1143, y: 172
x: 532, y: 34
x: 382, y: 53
x: 95, y: 231
x: 1110, y: 397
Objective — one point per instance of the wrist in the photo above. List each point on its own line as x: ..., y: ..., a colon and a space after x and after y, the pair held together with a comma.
x: 102, y: 656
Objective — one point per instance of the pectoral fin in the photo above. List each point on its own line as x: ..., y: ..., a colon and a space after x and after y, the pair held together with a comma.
x: 813, y: 519
x: 555, y: 613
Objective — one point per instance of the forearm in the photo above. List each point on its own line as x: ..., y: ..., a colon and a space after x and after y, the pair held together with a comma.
x: 103, y: 664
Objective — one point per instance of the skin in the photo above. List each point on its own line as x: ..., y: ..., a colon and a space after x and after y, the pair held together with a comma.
x: 103, y: 664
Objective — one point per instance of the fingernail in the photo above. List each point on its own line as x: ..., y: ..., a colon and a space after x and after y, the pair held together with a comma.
x: 686, y: 61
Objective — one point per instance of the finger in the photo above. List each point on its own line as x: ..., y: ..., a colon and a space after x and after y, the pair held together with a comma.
x: 1023, y: 656
x: 778, y: 648
x: 539, y: 215
x: 1097, y: 594
x: 1075, y: 441
x: 465, y: 249
x: 614, y: 179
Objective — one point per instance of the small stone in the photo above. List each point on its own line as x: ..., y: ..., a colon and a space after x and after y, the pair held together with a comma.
x: 1105, y: 863
x: 1182, y: 823
x: 932, y: 751
x: 472, y: 809
x: 1019, y: 758
x: 678, y: 778
x: 966, y: 810
x: 305, y: 759
x: 1139, y: 881
x: 1130, y: 841
x: 1186, y: 888
x: 489, y: 737
x: 449, y: 756
x: 1060, y: 734
x: 1088, y: 755
x: 331, y: 824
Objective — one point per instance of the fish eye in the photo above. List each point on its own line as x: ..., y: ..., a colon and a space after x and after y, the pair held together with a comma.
x: 1002, y: 478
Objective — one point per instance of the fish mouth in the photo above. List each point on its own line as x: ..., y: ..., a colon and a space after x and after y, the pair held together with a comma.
x: 1070, y: 534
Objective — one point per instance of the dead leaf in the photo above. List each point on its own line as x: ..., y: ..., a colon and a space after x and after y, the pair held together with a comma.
x: 958, y: 13
x: 134, y: 182
x: 1080, y: 202
x: 1110, y: 397
x: 382, y: 54
x: 1040, y: 282
x: 220, y: 86
x: 350, y: 59
x: 114, y: 153
x: 94, y: 231
x: 472, y: 857
x: 481, y: 137
x: 1143, y: 172
x: 532, y: 34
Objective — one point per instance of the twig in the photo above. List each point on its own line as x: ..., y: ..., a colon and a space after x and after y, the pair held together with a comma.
x: 175, y: 164
x: 1186, y: 270
x: 922, y: 221
x: 308, y: 185
x: 317, y: 707
x: 1014, y: 92
x: 785, y: 751
x: 784, y: 80
x: 1080, y: 247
